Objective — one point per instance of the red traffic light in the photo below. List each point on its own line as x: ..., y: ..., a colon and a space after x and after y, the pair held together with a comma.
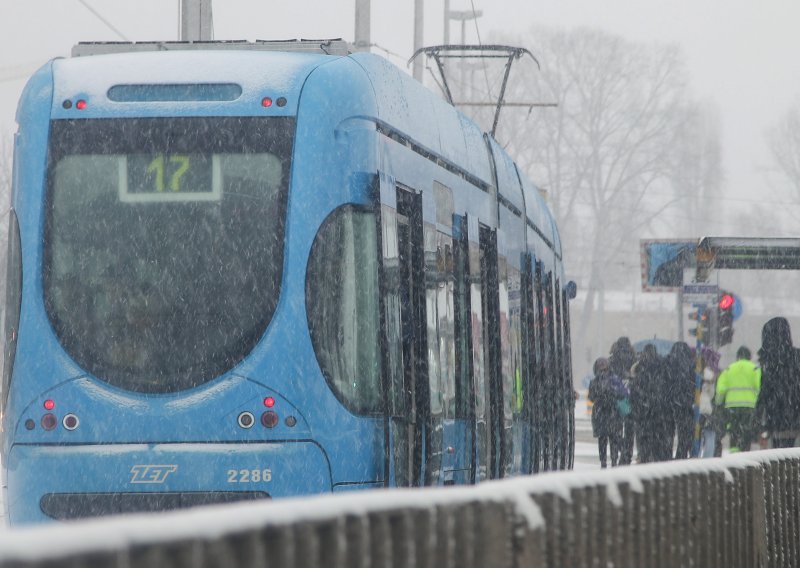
x: 726, y: 301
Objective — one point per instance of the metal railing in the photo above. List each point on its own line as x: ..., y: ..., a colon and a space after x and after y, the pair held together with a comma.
x: 742, y: 510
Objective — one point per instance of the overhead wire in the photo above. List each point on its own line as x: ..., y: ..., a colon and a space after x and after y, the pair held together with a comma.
x: 480, y: 43
x: 100, y: 17
x: 475, y: 19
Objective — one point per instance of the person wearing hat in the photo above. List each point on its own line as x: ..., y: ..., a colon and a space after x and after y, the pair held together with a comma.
x: 606, y: 391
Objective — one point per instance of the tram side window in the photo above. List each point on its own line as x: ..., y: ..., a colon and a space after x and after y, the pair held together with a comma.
x: 446, y: 324
x: 437, y: 362
x: 13, y: 301
x: 462, y: 319
x: 342, y: 306
x: 567, y: 342
x: 551, y: 379
x: 559, y: 329
x: 550, y: 347
x: 529, y: 334
x: 558, y: 379
x: 396, y: 405
x: 569, y: 384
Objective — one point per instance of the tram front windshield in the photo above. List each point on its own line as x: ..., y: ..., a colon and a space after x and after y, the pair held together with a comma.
x: 164, y: 243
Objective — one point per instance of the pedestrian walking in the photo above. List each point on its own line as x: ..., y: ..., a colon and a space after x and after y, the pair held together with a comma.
x: 737, y: 391
x: 712, y: 428
x: 778, y: 406
x: 680, y: 385
x: 607, y: 393
x: 622, y: 359
x: 647, y: 405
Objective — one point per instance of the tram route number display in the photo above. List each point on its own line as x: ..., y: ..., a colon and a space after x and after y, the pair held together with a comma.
x: 169, y: 177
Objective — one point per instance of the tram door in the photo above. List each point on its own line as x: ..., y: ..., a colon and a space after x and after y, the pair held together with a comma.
x: 463, y: 438
x: 407, y: 340
x: 492, y: 450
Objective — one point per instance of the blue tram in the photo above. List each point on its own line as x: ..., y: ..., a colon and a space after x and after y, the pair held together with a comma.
x: 251, y: 273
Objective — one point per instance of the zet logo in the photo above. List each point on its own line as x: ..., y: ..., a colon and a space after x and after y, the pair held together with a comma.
x: 151, y: 473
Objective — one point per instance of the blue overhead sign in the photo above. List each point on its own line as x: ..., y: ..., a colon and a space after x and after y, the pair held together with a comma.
x: 663, y: 262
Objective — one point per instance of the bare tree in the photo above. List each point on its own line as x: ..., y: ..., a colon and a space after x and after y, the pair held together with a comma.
x: 624, y: 153
x: 784, y: 141
x: 696, y: 172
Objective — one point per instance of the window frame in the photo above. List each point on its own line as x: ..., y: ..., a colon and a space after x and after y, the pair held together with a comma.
x: 377, y: 407
x: 79, y: 137
x: 13, y: 304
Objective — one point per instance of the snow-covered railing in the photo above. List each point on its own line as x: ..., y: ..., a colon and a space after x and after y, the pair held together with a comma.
x: 742, y: 510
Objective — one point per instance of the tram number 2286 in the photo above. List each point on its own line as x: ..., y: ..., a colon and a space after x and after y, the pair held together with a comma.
x: 249, y: 475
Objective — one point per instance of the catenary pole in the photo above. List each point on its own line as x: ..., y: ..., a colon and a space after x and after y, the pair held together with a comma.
x: 362, y: 33
x: 419, y: 19
x: 196, y: 20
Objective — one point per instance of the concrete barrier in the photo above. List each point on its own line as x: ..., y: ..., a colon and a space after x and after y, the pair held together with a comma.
x: 736, y: 511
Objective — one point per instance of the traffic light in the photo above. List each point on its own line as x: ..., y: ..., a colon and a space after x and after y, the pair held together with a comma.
x: 701, y: 331
x: 725, y: 318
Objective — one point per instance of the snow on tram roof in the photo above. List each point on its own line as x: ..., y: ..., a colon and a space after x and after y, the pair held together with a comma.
x: 94, y: 76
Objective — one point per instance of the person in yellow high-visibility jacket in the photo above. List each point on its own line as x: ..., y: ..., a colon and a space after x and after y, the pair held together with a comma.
x: 737, y: 391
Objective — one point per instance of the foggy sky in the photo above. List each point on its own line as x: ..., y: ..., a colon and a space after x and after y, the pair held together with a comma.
x: 742, y: 53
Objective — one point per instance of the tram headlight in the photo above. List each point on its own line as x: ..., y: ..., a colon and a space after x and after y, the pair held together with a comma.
x: 246, y: 420
x: 70, y: 422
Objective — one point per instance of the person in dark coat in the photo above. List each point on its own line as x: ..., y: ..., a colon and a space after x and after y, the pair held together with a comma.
x: 681, y: 382
x: 622, y: 359
x: 605, y: 390
x: 647, y: 405
x: 778, y: 406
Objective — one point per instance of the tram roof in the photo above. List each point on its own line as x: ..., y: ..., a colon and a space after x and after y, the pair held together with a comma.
x: 320, y: 46
x: 400, y: 99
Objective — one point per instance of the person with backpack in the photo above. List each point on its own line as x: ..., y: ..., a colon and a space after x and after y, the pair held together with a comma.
x: 622, y: 359
x: 608, y: 394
